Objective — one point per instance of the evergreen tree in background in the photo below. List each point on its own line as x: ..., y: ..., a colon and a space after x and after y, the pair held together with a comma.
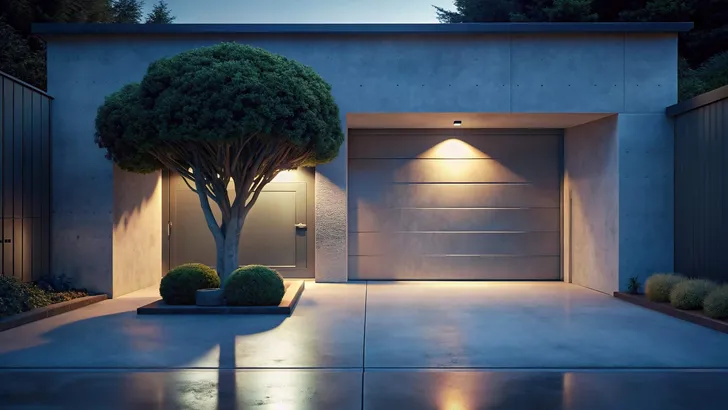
x: 704, y: 50
x: 160, y: 14
x: 22, y: 54
x: 127, y: 11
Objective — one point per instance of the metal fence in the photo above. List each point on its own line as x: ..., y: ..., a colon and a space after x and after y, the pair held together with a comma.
x: 701, y: 185
x: 25, y: 179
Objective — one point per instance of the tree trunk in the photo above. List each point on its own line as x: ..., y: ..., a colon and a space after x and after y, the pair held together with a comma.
x: 227, y: 247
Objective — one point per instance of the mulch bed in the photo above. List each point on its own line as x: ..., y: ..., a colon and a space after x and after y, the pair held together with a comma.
x: 693, y: 316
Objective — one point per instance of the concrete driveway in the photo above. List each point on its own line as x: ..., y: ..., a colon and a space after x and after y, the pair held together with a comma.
x: 367, y: 346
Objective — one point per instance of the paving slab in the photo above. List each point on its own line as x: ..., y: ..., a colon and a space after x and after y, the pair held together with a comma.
x: 526, y: 325
x: 193, y: 390
x: 325, y: 330
x: 534, y: 390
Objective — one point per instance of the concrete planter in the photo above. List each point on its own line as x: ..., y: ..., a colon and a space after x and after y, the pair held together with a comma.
x: 294, y: 289
x: 48, y: 311
x: 209, y: 297
x: 693, y: 316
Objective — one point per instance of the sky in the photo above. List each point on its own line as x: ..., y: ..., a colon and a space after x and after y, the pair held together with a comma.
x: 304, y: 11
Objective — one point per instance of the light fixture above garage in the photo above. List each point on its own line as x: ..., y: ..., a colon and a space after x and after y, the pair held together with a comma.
x: 457, y: 123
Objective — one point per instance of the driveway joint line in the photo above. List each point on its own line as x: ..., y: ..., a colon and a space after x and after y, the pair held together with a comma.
x: 364, y: 343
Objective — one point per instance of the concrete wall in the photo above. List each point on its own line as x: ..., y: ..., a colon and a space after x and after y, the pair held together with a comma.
x: 530, y: 73
x: 619, y: 174
x: 591, y: 205
x: 137, y: 231
x: 646, y: 196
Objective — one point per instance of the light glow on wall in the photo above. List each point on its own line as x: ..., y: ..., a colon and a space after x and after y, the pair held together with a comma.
x: 286, y: 176
x: 453, y: 148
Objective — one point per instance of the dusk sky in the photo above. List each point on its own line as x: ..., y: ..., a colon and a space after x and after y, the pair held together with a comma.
x: 304, y: 11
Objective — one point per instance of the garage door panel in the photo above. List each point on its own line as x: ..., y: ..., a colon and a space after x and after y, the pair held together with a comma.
x: 455, y: 268
x: 424, y: 143
x: 413, y: 244
x: 383, y: 171
x: 456, y: 196
x: 377, y: 219
x: 454, y: 204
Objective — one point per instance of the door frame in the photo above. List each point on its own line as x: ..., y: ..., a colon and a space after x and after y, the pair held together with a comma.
x: 307, y: 176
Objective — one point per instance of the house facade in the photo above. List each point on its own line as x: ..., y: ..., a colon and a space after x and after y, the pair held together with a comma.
x: 518, y: 151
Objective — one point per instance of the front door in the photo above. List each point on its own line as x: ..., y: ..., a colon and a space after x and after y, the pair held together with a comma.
x: 278, y: 231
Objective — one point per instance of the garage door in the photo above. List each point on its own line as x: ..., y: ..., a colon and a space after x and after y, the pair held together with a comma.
x: 454, y: 204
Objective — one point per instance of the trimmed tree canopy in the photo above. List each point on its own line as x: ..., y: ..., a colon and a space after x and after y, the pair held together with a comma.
x: 220, y: 94
x: 221, y: 114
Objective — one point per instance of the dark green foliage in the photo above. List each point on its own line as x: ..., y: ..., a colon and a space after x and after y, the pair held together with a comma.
x: 659, y: 285
x: 254, y: 285
x: 55, y: 283
x: 220, y: 94
x: 17, y: 297
x: 715, y: 304
x: 18, y: 59
x: 160, y: 14
x: 690, y: 294
x: 125, y: 134
x: 714, y: 72
x: 634, y: 285
x: 127, y: 11
x: 709, y: 76
x: 179, y: 286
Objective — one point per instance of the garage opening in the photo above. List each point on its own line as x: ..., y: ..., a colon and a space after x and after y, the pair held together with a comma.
x: 454, y: 204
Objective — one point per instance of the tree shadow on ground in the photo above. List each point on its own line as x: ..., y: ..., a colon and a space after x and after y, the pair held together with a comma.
x: 127, y: 342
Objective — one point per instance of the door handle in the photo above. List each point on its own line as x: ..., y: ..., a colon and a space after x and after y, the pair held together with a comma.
x: 300, y: 226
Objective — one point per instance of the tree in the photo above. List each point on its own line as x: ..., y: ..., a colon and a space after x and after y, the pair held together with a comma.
x: 228, y: 116
x: 160, y: 14
x: 127, y: 11
x: 479, y: 11
x: 18, y: 59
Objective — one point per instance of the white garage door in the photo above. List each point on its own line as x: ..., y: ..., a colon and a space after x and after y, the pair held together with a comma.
x: 454, y: 204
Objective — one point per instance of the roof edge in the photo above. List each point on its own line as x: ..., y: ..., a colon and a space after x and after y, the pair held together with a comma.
x: 698, y: 101
x: 49, y: 29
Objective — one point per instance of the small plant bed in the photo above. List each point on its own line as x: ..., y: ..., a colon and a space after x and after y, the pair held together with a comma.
x: 22, y: 303
x: 694, y: 316
x: 293, y: 291
x: 699, y: 301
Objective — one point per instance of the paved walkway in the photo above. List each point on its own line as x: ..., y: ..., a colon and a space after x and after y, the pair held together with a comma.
x: 374, y: 346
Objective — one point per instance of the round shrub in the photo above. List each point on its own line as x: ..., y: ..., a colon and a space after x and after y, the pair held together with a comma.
x: 659, y: 285
x: 715, y: 304
x: 689, y: 294
x: 254, y: 285
x: 180, y: 284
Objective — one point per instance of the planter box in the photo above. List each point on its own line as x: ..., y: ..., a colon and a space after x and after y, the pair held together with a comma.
x: 288, y: 303
x: 48, y: 311
x: 694, y: 316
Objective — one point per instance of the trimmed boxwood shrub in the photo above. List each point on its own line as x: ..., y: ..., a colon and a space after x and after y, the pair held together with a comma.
x: 690, y: 294
x: 180, y: 284
x: 254, y: 285
x: 715, y: 304
x: 659, y: 285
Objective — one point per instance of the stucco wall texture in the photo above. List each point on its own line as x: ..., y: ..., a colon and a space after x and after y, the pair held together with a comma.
x: 500, y: 73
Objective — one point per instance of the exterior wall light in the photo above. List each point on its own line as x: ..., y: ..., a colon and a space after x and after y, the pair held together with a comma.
x: 457, y: 123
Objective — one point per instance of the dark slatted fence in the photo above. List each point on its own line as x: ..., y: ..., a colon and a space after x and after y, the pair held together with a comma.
x: 25, y: 179
x: 701, y: 185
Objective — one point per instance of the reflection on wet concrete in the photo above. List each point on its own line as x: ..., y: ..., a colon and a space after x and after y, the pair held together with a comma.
x: 382, y: 389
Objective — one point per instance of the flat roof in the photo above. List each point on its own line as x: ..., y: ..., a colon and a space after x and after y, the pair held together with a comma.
x: 49, y: 29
